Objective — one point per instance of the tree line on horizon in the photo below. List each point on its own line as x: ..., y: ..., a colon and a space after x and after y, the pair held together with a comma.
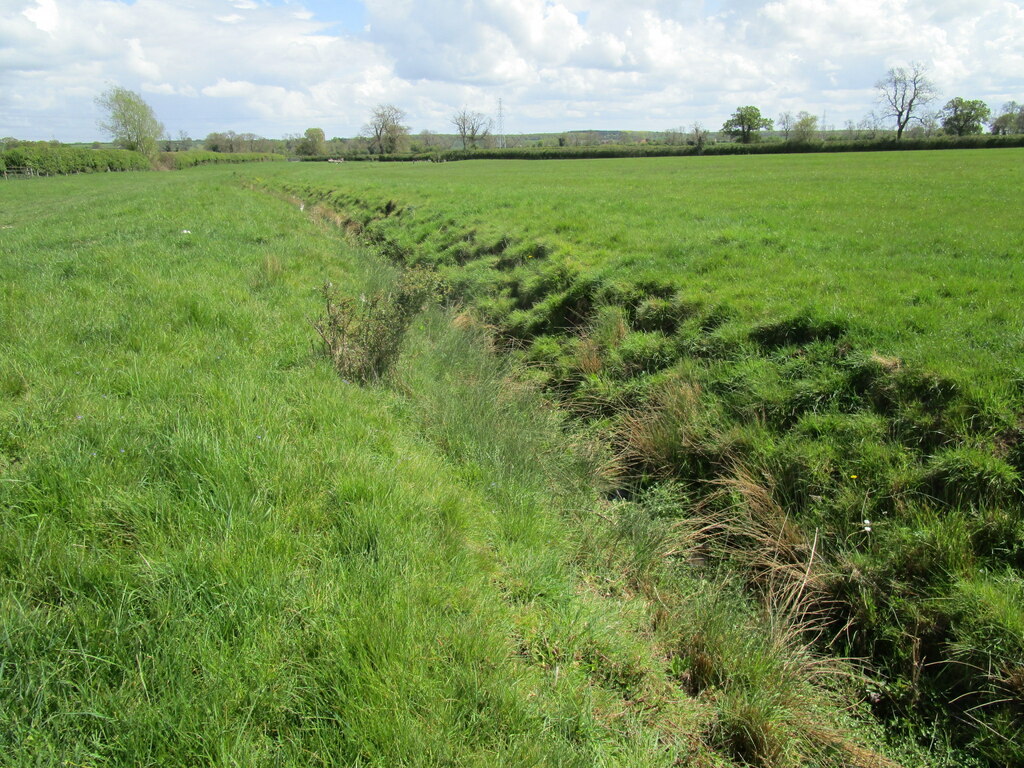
x: 904, y: 97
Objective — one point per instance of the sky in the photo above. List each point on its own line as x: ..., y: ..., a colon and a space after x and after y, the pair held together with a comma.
x: 277, y: 67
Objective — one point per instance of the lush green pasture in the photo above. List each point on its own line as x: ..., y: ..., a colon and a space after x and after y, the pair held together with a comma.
x: 213, y: 551
x: 920, y: 252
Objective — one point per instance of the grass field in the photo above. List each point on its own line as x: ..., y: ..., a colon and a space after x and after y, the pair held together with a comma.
x: 216, y: 550
x: 918, y: 252
x: 818, y: 351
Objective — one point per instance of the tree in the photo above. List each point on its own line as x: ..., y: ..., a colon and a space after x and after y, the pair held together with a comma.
x: 313, y: 143
x: 904, y: 93
x: 471, y: 126
x: 698, y: 137
x: 786, y: 122
x: 429, y: 140
x: 1010, y: 119
x: 675, y: 136
x: 961, y: 117
x: 385, y: 131
x: 221, y: 142
x: 745, y: 123
x: 804, y: 128
x: 129, y: 120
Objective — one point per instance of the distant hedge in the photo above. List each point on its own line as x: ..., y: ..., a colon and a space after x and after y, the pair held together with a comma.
x: 48, y: 160
x: 180, y: 160
x: 725, y: 148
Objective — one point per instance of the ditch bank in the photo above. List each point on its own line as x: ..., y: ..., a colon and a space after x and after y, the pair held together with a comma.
x: 794, y: 456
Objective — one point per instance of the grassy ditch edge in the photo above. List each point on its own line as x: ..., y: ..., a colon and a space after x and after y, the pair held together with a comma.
x: 909, y: 484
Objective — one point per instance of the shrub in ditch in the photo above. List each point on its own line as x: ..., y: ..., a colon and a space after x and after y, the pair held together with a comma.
x: 363, y: 337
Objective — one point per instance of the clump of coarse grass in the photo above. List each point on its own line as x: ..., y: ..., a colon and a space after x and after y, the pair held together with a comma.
x: 775, y: 698
x: 743, y: 521
x: 970, y: 476
x: 679, y: 433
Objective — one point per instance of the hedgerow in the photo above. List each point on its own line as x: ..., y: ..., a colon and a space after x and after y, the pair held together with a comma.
x: 51, y: 160
x: 181, y: 160
x: 675, y: 150
x: 47, y: 160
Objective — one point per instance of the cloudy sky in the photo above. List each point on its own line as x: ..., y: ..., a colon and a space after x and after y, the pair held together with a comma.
x: 275, y: 67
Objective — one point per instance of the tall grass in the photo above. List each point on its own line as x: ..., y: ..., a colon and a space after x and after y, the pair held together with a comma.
x: 215, y: 551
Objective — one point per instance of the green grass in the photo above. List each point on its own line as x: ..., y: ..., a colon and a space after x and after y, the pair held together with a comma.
x: 917, y: 251
x: 820, y: 356
x: 215, y: 552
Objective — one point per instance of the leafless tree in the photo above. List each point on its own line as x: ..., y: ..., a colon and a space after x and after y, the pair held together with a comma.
x: 386, y: 131
x: 786, y: 121
x: 675, y: 135
x: 698, y: 136
x: 904, y: 93
x: 471, y: 126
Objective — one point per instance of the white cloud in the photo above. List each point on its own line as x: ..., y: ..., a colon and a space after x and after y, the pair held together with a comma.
x: 45, y: 15
x: 274, y: 68
x: 163, y: 88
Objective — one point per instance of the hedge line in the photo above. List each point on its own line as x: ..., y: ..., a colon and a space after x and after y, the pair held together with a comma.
x: 54, y: 161
x: 190, y: 159
x: 728, y: 148
x: 47, y: 160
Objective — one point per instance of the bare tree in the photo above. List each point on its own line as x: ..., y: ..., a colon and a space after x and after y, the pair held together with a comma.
x: 385, y: 130
x: 786, y: 121
x: 904, y: 93
x: 471, y: 126
x: 675, y: 135
x: 429, y: 140
x: 698, y: 137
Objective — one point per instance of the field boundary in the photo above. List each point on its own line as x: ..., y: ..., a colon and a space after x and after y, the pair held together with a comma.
x: 689, y: 150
